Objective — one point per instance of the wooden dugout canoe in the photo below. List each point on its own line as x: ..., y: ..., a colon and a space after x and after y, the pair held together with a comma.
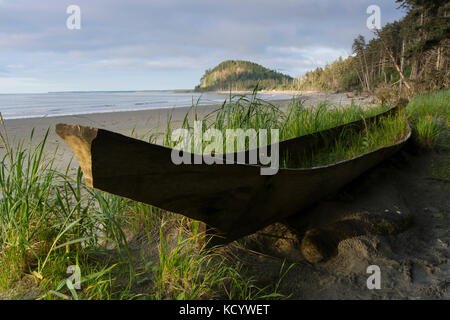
x: 232, y: 200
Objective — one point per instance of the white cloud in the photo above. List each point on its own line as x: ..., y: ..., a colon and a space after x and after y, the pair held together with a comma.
x: 26, y: 85
x: 299, y: 60
x: 134, y: 37
x: 18, y: 39
x: 142, y: 65
x: 15, y: 66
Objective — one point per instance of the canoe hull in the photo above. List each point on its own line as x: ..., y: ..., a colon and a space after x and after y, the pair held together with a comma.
x: 232, y: 200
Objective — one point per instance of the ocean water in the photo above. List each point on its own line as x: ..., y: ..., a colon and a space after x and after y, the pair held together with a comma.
x: 18, y: 106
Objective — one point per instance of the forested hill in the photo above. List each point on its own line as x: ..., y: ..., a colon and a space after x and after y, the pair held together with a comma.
x: 242, y: 75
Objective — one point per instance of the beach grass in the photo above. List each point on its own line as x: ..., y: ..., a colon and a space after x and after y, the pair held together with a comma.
x: 49, y: 220
x: 243, y: 112
x: 350, y: 144
x: 429, y: 116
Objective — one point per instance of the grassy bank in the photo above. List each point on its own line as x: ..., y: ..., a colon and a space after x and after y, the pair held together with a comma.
x: 127, y: 250
x: 124, y: 249
x: 50, y: 221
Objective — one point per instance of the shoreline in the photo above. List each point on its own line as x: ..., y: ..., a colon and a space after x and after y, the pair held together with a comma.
x: 133, y: 119
x: 140, y: 103
x: 130, y: 123
x: 283, y: 95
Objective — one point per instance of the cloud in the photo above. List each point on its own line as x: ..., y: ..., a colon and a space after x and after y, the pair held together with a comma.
x: 14, y: 84
x: 143, y: 65
x: 15, y: 66
x: 137, y: 36
x: 299, y: 58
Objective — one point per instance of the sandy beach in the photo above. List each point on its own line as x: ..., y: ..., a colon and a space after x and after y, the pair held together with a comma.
x: 132, y: 123
x: 402, y: 184
x: 135, y: 123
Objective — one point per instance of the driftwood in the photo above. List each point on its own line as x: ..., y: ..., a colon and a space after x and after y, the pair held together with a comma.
x: 232, y: 200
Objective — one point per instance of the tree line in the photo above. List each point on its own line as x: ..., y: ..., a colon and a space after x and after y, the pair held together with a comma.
x: 410, y: 55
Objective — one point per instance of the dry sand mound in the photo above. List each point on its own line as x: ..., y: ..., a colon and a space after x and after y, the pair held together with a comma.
x: 414, y: 263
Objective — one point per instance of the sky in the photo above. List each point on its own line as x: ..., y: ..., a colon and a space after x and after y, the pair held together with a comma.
x: 168, y: 44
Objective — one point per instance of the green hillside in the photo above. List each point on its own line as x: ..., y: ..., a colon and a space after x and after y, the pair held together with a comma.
x: 242, y: 75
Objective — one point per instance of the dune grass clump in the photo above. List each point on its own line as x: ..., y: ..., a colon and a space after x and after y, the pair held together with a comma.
x: 350, y: 144
x: 242, y: 112
x: 299, y: 120
x: 429, y: 116
x: 50, y: 220
x: 47, y: 220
